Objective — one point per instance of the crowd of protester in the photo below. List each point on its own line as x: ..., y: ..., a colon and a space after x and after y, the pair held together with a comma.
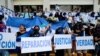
x: 80, y: 24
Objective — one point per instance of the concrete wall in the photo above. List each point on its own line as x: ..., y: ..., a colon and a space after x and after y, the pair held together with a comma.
x: 96, y: 6
x: 10, y: 4
x: 72, y: 2
x: 2, y: 2
x: 65, y: 8
x: 7, y: 4
x: 61, y: 2
x: 28, y: 2
x: 46, y: 3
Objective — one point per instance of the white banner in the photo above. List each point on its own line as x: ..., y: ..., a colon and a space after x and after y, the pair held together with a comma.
x: 36, y: 44
x: 7, y: 41
x: 62, y: 41
x: 84, y: 43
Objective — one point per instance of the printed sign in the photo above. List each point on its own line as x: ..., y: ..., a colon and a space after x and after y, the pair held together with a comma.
x: 36, y: 44
x: 84, y: 43
x: 7, y: 41
x: 62, y: 41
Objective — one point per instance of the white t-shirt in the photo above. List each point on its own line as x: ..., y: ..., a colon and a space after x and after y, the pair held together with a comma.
x: 47, y: 14
x: 77, y: 19
x: 92, y: 20
x: 69, y: 19
x: 85, y: 17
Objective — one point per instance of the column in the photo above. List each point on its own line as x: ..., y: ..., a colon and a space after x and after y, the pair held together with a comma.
x: 2, y: 2
x: 10, y: 4
x: 96, y: 6
x: 46, y: 5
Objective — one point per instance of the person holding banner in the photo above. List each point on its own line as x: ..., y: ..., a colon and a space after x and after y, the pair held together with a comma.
x: 77, y: 30
x: 2, y: 26
x: 59, y: 52
x: 62, y: 31
x: 97, y: 38
x: 36, y: 33
x: 22, y: 31
x: 3, y: 29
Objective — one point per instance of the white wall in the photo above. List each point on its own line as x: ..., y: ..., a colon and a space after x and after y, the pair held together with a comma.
x: 2, y: 2
x: 65, y: 8
x: 96, y: 6
x: 47, y: 3
x: 10, y: 4
x: 28, y: 2
x: 72, y: 2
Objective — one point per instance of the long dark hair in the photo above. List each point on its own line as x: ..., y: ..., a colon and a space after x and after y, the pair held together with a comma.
x: 36, y: 31
x: 97, y: 28
x: 59, y: 30
x: 57, y: 14
x: 1, y: 17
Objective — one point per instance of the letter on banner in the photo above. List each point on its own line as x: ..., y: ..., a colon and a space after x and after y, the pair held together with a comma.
x: 7, y: 41
x: 84, y: 43
x: 36, y: 44
x: 62, y: 41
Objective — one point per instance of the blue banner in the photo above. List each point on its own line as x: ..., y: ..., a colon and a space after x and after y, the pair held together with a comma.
x: 28, y: 22
x: 56, y: 25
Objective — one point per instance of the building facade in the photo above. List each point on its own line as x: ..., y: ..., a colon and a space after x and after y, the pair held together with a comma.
x: 65, y: 5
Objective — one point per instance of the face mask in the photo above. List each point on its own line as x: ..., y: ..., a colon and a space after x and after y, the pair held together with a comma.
x: 36, y: 31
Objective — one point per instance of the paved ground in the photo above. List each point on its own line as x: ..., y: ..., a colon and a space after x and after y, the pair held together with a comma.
x: 52, y: 54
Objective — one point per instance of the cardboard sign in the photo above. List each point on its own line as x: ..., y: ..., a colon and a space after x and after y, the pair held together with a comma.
x: 36, y: 44
x: 62, y: 41
x: 7, y: 41
x: 84, y: 43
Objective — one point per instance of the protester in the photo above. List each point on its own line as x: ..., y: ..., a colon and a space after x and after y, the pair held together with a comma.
x: 59, y: 52
x: 80, y: 23
x: 22, y: 30
x: 50, y: 18
x: 77, y: 30
x: 97, y: 38
x: 70, y: 19
x: 37, y: 33
x: 92, y: 18
x: 3, y: 29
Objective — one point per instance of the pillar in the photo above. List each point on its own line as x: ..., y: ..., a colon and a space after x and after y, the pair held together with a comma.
x: 10, y: 4
x: 96, y: 6
x: 2, y: 2
x: 46, y: 5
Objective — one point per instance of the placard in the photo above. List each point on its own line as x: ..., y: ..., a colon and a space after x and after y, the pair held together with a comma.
x: 62, y: 41
x: 36, y: 44
x: 84, y: 43
x: 7, y: 41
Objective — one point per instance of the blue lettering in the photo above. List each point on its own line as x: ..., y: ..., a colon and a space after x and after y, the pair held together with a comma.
x: 9, y: 44
x: 35, y: 44
x: 3, y: 44
x: 84, y: 42
x: 62, y: 41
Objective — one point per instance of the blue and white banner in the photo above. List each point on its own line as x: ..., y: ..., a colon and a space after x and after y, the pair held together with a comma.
x: 62, y: 41
x: 84, y: 43
x: 7, y: 41
x: 36, y: 44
